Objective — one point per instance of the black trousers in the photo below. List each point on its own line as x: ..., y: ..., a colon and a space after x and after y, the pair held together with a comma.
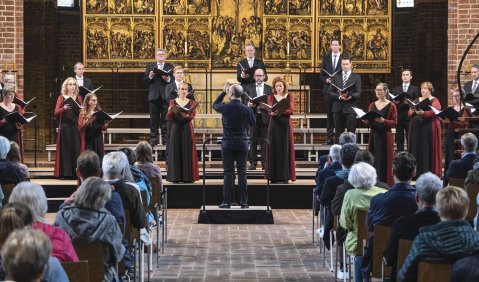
x: 328, y: 105
x: 158, y: 111
x: 402, y: 128
x: 343, y: 121
x: 259, y: 130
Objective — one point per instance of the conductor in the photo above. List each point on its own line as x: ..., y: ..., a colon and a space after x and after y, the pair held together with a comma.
x: 236, y: 119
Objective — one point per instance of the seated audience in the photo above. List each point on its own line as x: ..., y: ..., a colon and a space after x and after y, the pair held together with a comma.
x: 344, y: 138
x: 330, y: 170
x: 137, y: 176
x: 465, y: 269
x: 9, y: 174
x: 15, y: 217
x: 363, y: 177
x: 144, y: 160
x: 33, y: 196
x: 407, y: 227
x: 88, y: 218
x: 26, y: 255
x: 14, y: 157
x: 347, y: 154
x: 459, y: 168
x: 447, y: 241
x: 398, y: 201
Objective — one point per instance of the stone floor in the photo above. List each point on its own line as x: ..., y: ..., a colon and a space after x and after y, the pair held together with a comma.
x: 280, y: 252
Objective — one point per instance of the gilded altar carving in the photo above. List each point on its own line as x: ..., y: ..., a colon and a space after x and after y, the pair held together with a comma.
x: 212, y: 33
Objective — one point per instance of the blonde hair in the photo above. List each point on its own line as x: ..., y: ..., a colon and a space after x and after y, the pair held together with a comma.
x: 86, y: 107
x: 452, y: 203
x: 428, y: 85
x: 64, y: 86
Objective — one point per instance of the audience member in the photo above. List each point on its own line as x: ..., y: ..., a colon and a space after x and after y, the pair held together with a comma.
x: 14, y: 156
x: 33, y: 196
x: 138, y: 177
x: 447, y: 241
x: 363, y: 178
x: 330, y: 170
x: 14, y: 217
x: 459, y: 168
x: 344, y: 138
x: 385, y: 208
x: 144, y: 160
x: 88, y: 218
x: 465, y: 269
x: 348, y: 152
x: 9, y: 174
x: 407, y: 227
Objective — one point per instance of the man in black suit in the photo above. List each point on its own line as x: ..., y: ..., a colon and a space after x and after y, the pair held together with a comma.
x: 407, y: 227
x: 79, y: 70
x: 247, y: 63
x: 157, y: 97
x: 236, y: 119
x: 343, y: 101
x: 331, y: 64
x: 403, y: 107
x: 260, y: 128
x: 472, y: 86
x: 459, y: 168
x: 172, y: 88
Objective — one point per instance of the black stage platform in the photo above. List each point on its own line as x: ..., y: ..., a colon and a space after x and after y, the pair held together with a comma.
x: 236, y: 215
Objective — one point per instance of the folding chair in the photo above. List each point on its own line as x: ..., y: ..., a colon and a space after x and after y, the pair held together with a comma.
x: 403, y: 250
x: 7, y: 191
x: 136, y: 245
x: 381, y: 237
x: 158, y: 201
x: 76, y: 271
x: 472, y: 191
x: 433, y: 272
x: 93, y: 253
x: 458, y: 182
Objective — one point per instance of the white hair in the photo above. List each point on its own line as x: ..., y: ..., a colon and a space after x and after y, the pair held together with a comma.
x: 33, y: 196
x: 4, y: 147
x: 113, y: 164
x: 335, y: 152
x: 362, y: 175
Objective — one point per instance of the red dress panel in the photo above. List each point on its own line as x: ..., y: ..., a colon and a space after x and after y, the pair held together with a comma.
x: 13, y: 134
x: 279, y: 128
x: 390, y: 121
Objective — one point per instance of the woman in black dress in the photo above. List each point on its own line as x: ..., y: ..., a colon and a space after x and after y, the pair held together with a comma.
x: 280, y: 151
x: 90, y: 129
x: 453, y: 124
x: 381, y: 141
x: 12, y: 132
x: 68, y: 136
x: 182, y: 155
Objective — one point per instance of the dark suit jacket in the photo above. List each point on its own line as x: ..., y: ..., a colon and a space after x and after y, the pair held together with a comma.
x: 87, y: 84
x: 468, y: 88
x: 407, y: 227
x: 385, y: 208
x: 402, y: 108
x: 236, y: 120
x: 251, y: 90
x: 341, y: 106
x: 327, y: 65
x: 245, y: 65
x: 325, y: 173
x: 459, y: 168
x: 172, y: 91
x: 131, y: 200
x: 157, y: 84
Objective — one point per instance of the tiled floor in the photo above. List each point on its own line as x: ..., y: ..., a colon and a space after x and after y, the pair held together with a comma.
x: 280, y: 252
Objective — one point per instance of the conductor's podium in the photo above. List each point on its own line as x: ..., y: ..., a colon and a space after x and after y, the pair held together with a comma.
x: 236, y: 215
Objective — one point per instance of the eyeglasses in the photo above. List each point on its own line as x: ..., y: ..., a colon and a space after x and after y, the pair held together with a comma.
x: 71, y: 84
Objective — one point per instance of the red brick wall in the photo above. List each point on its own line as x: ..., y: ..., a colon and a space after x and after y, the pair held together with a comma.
x: 463, y: 26
x: 11, y: 38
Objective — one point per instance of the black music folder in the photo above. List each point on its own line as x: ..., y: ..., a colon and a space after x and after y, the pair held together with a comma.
x: 22, y: 103
x: 369, y: 116
x: 448, y: 113
x: 83, y: 91
x: 161, y: 73
x: 423, y: 105
x: 256, y: 100
x: 101, y: 116
x: 331, y: 75
x: 399, y: 97
x: 281, y: 106
x: 342, y: 89
x: 175, y: 108
x: 15, y: 117
x: 73, y: 103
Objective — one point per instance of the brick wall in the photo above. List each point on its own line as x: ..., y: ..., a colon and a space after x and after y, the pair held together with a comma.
x: 463, y: 27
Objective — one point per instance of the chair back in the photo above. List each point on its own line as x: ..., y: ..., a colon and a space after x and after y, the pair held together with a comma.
x: 156, y: 193
x: 433, y: 272
x: 7, y: 191
x: 458, y: 182
x: 472, y: 191
x: 381, y: 238
x: 93, y: 253
x: 76, y: 271
x: 403, y: 250
x: 362, y: 232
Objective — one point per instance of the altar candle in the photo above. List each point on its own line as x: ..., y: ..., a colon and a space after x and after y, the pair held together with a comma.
x: 287, y: 48
x: 186, y: 47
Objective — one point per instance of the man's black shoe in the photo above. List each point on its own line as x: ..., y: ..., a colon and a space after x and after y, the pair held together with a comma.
x: 330, y: 142
x: 244, y: 206
x: 252, y: 167
x: 224, y: 206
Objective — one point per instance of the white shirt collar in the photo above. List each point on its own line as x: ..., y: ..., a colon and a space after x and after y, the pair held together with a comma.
x: 78, y: 78
x: 252, y: 59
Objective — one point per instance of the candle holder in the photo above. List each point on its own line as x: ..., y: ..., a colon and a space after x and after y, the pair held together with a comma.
x: 288, y: 78
x: 467, y: 71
